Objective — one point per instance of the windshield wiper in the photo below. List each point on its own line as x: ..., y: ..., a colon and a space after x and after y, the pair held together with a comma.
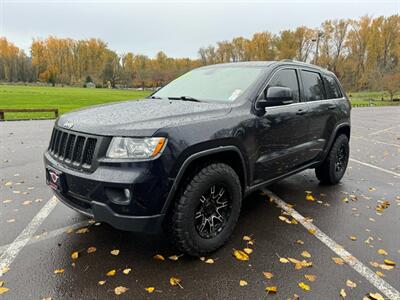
x: 155, y: 97
x: 184, y: 98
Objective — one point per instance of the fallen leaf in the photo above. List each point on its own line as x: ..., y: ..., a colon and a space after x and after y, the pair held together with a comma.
x: 271, y: 289
x: 312, y: 231
x: 246, y: 238
x: 352, y: 237
x: 240, y: 255
x: 8, y: 183
x: 343, y: 293
x: 376, y: 296
x: 311, y: 278
x: 82, y: 230
x: 5, y: 270
x: 3, y: 290
x: 389, y: 262
x: 175, y: 281
x: 27, y: 202
x: 102, y: 282
x: 380, y: 274
x: 304, y: 286
x: 351, y: 284
x: 91, y: 250
x: 242, y: 282
x: 310, y: 197
x: 120, y: 290
x: 115, y: 252
x: 268, y: 275
x: 47, y: 298
x: 382, y: 252
x: 209, y: 261
x: 126, y: 271
x: 111, y: 273
x: 150, y: 289
x: 300, y: 242
x: 248, y: 250
x: 59, y: 271
x: 7, y: 201
x: 159, y: 257
x: 306, y: 254
x: 11, y: 221
x: 174, y: 257
x: 75, y: 255
x: 283, y: 260
x: 338, y: 260
x: 1, y: 283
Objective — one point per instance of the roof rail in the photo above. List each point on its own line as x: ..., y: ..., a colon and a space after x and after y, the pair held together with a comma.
x: 287, y: 59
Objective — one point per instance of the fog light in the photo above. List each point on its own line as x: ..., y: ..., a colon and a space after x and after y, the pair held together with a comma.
x: 127, y: 193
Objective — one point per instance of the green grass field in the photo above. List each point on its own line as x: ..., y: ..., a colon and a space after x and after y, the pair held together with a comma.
x: 63, y: 98
x: 68, y: 98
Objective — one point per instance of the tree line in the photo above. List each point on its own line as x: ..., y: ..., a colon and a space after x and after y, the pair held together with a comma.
x: 364, y: 54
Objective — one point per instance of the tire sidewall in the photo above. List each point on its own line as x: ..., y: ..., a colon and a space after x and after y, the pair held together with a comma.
x: 341, y: 140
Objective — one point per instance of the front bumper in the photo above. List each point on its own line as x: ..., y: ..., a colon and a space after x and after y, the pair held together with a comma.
x: 93, y: 194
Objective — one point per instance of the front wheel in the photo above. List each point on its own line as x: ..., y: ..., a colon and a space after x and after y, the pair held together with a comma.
x: 334, y: 166
x: 206, y: 210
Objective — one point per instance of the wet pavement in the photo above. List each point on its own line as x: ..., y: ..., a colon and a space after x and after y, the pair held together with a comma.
x: 346, y: 213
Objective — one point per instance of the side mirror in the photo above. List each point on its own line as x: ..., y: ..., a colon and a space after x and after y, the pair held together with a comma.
x: 276, y: 95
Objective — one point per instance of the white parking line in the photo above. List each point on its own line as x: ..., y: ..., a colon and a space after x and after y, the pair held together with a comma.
x: 389, y: 291
x: 48, y: 235
x: 375, y: 167
x: 383, y: 130
x: 22, y: 239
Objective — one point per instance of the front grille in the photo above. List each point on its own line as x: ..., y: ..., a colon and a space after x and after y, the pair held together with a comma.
x: 73, y: 149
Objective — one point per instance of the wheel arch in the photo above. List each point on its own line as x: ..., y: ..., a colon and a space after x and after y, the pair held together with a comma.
x: 343, y: 128
x: 230, y: 155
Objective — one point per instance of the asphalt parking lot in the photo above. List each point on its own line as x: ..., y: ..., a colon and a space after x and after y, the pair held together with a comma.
x: 345, y: 231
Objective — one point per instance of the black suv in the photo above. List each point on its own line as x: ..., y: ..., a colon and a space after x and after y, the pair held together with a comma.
x: 184, y: 158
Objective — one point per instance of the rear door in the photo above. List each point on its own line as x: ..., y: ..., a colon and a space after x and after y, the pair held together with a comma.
x: 281, y: 133
x: 321, y: 93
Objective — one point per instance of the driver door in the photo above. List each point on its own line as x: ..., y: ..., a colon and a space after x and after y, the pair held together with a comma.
x: 282, y: 131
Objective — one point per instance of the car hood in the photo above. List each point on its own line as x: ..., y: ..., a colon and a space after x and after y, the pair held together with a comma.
x: 139, y: 117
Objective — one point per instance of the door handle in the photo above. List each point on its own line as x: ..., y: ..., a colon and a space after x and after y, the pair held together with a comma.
x: 301, y: 112
x: 331, y: 106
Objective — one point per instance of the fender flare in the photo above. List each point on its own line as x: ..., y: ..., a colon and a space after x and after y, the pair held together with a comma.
x: 332, y: 138
x: 193, y: 157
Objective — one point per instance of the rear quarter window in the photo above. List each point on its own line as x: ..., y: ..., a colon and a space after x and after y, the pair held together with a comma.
x: 332, y: 87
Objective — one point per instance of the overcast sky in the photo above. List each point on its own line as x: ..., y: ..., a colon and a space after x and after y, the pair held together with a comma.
x: 178, y: 28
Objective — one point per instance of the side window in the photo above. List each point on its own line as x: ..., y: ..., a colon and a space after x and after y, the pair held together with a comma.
x: 286, y: 78
x: 313, y: 86
x: 332, y: 88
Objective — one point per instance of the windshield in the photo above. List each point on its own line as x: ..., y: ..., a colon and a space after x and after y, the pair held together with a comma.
x: 223, y: 84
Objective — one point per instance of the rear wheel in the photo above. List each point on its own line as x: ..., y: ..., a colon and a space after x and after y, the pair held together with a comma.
x: 206, y: 210
x: 333, y: 168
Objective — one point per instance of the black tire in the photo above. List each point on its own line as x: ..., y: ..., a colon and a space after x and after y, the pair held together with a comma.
x: 193, y: 208
x: 334, y: 166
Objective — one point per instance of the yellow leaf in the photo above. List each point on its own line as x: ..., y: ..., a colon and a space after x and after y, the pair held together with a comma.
x: 305, y: 254
x: 5, y: 270
x: 242, y: 282
x: 91, y: 250
x: 351, y: 284
x: 8, y: 183
x: 75, y: 255
x: 246, y: 238
x: 3, y: 290
x: 382, y: 252
x: 47, y: 298
x: 311, y: 278
x: 111, y: 273
x: 353, y: 238
x: 127, y: 271
x: 268, y: 275
x: 300, y: 242
x: 283, y: 260
x: 115, y: 252
x: 380, y: 274
x: 338, y: 260
x: 173, y: 257
x: 82, y: 230
x: 248, y: 250
x: 59, y: 271
x: 150, y: 289
x: 1, y: 283
x: 304, y: 286
x: 120, y: 290
x: 175, y: 281
x: 389, y: 262
x: 312, y: 231
x: 102, y: 282
x: 343, y: 293
x: 159, y: 257
x: 271, y: 289
x: 376, y: 296
x: 209, y: 261
x: 240, y: 255
x: 310, y: 197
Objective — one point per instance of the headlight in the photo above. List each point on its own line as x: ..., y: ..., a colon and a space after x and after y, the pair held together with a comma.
x: 140, y: 148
